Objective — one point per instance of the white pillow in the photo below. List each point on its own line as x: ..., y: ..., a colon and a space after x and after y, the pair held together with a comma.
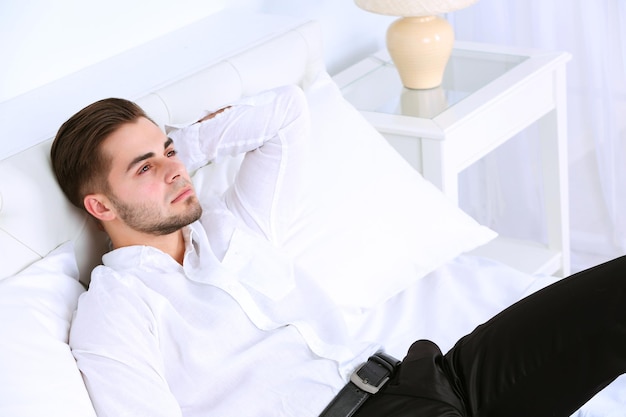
x: 39, y: 376
x: 370, y: 225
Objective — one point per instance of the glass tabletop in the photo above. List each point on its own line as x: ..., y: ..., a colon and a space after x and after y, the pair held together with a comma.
x: 381, y: 90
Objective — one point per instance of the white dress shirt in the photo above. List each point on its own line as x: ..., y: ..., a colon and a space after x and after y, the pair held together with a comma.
x: 236, y: 330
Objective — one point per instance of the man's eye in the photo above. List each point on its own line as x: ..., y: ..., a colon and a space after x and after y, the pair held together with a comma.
x: 171, y: 153
x: 144, y: 168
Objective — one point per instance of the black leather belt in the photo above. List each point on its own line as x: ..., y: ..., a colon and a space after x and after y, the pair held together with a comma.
x: 367, y: 380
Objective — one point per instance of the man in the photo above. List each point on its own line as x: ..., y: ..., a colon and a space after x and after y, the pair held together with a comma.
x: 196, y: 311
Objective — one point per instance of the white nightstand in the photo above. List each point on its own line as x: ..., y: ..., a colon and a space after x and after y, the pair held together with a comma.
x: 489, y: 94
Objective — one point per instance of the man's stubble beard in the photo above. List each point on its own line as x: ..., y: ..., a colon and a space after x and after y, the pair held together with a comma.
x: 145, y: 219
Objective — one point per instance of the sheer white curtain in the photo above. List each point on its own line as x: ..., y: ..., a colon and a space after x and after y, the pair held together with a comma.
x: 503, y: 189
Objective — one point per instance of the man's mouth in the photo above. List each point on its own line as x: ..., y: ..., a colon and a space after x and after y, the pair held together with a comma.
x: 185, y: 192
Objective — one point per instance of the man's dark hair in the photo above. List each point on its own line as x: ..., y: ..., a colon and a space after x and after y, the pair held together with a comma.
x: 77, y: 160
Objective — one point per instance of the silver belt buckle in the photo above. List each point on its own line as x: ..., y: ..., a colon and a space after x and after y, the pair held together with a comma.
x: 364, y: 384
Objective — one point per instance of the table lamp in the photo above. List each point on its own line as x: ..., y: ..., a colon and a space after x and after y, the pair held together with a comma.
x: 419, y: 42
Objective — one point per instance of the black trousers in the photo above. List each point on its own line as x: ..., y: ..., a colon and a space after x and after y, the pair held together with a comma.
x: 546, y: 355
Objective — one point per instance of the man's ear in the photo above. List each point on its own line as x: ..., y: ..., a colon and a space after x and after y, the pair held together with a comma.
x: 99, y: 207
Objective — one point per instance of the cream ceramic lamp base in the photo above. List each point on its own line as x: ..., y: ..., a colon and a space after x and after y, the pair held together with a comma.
x: 420, y: 42
x: 420, y: 48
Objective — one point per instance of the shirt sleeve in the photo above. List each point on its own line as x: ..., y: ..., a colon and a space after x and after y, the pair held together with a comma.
x: 114, y: 340
x: 272, y: 129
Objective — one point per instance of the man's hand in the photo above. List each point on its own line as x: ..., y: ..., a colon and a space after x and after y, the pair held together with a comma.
x: 212, y: 115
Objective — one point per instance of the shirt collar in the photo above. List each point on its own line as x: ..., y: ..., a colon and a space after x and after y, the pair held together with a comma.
x: 148, y: 257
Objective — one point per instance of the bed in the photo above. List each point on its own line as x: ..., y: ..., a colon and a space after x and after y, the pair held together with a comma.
x: 367, y: 213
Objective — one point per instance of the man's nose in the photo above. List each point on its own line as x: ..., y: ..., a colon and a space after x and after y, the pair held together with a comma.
x: 174, y: 171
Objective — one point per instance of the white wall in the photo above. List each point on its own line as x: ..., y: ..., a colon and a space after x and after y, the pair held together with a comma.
x: 41, y: 40
x: 349, y: 32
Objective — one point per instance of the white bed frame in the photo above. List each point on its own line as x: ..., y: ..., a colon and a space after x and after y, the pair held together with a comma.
x: 257, y: 52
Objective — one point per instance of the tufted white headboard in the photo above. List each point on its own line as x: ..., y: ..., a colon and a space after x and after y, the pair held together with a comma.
x: 35, y: 216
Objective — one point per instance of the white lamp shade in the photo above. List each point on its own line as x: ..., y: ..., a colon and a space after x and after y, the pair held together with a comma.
x: 412, y: 7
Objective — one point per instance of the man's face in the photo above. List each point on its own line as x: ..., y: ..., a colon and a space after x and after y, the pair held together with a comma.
x: 149, y: 187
